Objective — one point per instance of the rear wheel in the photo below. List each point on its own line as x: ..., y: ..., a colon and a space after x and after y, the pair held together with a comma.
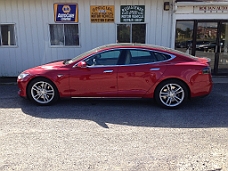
x: 42, y: 91
x: 171, y: 93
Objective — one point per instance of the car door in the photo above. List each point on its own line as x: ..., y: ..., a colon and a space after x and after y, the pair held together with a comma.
x: 139, y: 73
x: 98, y: 78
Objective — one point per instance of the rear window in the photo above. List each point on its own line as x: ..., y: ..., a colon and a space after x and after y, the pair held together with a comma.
x: 161, y: 56
x: 182, y: 53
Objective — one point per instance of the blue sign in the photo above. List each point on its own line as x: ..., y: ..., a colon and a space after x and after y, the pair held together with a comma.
x: 66, y: 12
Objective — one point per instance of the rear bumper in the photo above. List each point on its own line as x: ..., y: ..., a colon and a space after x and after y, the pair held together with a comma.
x: 201, y: 89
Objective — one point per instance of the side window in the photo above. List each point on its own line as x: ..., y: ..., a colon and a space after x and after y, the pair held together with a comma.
x: 105, y: 58
x: 110, y: 55
x: 64, y: 34
x: 140, y: 56
x: 161, y: 56
x: 7, y: 35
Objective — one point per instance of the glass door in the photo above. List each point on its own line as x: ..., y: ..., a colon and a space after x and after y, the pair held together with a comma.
x: 223, y: 49
x: 206, y: 41
x: 205, y: 38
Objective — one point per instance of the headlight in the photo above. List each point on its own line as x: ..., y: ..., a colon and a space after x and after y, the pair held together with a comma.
x: 22, y: 76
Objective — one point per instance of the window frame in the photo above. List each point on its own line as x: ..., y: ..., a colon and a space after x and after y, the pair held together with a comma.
x: 64, y: 46
x: 15, y: 36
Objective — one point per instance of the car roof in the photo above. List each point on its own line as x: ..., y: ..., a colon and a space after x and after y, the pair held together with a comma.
x: 143, y: 46
x: 132, y: 45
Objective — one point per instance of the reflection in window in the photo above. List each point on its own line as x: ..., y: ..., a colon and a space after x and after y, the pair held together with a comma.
x: 64, y: 34
x: 161, y: 56
x: 184, y: 33
x: 138, y: 33
x: 105, y: 58
x: 111, y: 54
x: 139, y: 53
x: 224, y: 38
x: 131, y: 33
x: 223, y: 50
x: 143, y: 57
x: 140, y: 57
x: 56, y: 34
x: 7, y: 36
x: 71, y: 35
x: 123, y: 33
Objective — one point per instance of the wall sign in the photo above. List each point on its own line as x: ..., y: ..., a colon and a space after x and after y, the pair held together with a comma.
x: 210, y: 9
x: 132, y: 13
x: 102, y: 14
x: 201, y: 0
x: 66, y: 12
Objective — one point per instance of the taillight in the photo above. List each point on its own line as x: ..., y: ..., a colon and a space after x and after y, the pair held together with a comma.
x: 206, y: 70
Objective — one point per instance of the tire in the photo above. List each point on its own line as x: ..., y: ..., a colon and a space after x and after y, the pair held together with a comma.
x: 171, y: 94
x: 42, y: 91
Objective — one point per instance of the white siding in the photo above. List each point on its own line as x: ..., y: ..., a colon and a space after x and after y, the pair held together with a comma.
x: 32, y: 19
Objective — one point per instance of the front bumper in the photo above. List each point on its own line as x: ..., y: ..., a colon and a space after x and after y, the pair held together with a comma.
x: 22, y: 88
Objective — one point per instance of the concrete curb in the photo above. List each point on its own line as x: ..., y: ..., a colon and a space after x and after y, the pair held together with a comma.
x: 8, y: 80
x: 220, y: 79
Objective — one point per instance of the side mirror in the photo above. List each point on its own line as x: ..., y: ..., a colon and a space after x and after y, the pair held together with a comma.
x: 82, y: 64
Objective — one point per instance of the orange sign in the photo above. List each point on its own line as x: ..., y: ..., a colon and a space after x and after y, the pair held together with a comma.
x: 102, y: 14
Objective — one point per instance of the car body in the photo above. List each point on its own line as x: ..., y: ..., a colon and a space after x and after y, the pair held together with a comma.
x: 120, y: 71
x: 205, y: 46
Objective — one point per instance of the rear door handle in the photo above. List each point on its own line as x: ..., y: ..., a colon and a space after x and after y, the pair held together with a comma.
x: 108, y: 71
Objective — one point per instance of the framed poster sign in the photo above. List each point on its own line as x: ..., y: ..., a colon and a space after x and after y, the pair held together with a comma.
x: 102, y: 14
x: 66, y: 12
x: 132, y: 13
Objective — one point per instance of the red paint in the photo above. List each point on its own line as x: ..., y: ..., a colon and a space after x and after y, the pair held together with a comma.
x: 122, y: 80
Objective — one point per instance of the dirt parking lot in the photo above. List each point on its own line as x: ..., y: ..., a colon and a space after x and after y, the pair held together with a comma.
x: 113, y: 135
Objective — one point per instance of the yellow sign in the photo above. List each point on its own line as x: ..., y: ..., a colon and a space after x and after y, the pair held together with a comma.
x: 102, y: 14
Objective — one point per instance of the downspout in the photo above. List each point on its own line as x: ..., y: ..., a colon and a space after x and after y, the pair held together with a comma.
x: 173, y: 24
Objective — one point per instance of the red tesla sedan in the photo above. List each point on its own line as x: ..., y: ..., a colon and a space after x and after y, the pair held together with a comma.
x: 120, y: 70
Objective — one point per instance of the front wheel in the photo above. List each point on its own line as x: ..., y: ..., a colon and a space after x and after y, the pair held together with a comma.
x: 42, y: 91
x: 171, y: 93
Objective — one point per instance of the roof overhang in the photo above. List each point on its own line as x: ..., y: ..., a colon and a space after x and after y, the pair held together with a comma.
x: 200, y: 2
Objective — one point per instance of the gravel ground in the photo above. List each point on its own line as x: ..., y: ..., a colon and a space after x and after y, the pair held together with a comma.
x: 113, y: 135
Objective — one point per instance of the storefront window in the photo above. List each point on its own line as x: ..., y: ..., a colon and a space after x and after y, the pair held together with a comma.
x: 64, y: 34
x: 7, y: 35
x: 205, y: 38
x: 223, y: 49
x: 131, y: 33
x: 184, y: 33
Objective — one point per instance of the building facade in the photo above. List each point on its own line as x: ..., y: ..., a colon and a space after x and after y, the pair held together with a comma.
x: 34, y: 32
x: 201, y: 29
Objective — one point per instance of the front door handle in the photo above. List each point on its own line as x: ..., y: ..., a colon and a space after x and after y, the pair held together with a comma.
x: 108, y: 71
x: 155, y: 69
